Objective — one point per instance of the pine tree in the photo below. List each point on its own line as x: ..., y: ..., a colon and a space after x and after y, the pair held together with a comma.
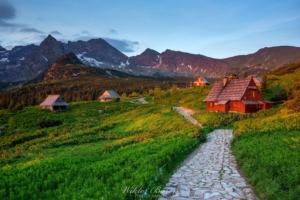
x: 264, y: 83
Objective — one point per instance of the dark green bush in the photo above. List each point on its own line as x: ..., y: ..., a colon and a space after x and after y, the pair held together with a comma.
x: 49, y: 123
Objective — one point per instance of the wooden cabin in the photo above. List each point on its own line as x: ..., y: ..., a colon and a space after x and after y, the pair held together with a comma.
x: 108, y: 96
x: 201, y: 81
x: 236, y: 95
x: 54, y: 102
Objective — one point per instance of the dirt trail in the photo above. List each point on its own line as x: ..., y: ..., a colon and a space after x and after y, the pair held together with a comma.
x: 139, y: 101
x: 187, y: 115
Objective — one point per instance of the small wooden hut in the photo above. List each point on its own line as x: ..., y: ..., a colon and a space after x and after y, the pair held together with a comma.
x: 201, y: 81
x: 236, y: 95
x: 54, y: 102
x: 108, y: 96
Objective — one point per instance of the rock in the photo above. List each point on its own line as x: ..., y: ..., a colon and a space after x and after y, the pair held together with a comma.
x: 172, y: 189
x: 161, y: 198
x: 207, y: 195
x: 247, y: 190
x: 166, y: 193
x: 176, y: 175
x: 16, y: 130
x: 2, y: 127
x: 100, y: 111
x: 185, y: 192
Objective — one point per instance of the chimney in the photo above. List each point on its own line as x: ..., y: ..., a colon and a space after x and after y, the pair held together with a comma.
x: 225, y: 79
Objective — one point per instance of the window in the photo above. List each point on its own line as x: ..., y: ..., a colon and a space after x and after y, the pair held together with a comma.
x: 253, y: 93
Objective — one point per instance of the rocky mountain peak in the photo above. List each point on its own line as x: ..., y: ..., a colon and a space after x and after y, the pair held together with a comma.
x: 149, y: 58
x: 50, y: 38
x: 150, y: 52
x: 2, y: 49
x: 69, y: 58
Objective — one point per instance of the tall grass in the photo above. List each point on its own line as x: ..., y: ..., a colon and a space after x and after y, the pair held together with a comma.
x: 268, y: 151
x: 92, y: 155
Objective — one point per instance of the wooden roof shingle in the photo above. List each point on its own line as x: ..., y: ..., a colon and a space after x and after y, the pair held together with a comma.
x: 54, y: 100
x: 109, y: 94
x: 233, y: 90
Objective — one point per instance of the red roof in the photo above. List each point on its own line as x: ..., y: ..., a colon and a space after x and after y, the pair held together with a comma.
x: 233, y: 90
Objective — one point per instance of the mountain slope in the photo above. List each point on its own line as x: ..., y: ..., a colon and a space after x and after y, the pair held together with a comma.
x: 192, y: 64
x: 2, y: 49
x: 264, y: 60
x: 26, y: 63
x: 68, y: 66
x: 149, y: 58
x: 97, y: 53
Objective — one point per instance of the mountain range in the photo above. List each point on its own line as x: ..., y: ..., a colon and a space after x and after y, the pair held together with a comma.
x: 23, y: 63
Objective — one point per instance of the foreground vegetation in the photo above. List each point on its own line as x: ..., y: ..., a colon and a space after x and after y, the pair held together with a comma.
x: 129, y: 150
x: 267, y: 148
x: 92, y: 155
x: 268, y: 151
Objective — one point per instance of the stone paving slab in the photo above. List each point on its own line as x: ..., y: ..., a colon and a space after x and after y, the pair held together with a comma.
x: 211, y: 174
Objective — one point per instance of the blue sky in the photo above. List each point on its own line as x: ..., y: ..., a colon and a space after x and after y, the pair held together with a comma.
x: 214, y: 28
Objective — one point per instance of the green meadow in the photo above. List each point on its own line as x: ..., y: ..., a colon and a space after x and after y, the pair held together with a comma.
x: 93, y: 155
x: 120, y: 150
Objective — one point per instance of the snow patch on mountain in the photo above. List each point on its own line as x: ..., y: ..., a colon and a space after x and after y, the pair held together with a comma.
x: 45, y: 58
x: 4, y: 59
x: 89, y: 61
x: 122, y: 65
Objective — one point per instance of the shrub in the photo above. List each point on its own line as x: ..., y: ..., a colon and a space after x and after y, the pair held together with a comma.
x: 49, y: 123
x: 294, y: 103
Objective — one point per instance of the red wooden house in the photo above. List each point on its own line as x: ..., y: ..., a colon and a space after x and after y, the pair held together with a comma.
x: 201, y: 81
x: 236, y: 95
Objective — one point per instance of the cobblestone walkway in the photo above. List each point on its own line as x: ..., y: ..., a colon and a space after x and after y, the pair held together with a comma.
x: 210, y: 174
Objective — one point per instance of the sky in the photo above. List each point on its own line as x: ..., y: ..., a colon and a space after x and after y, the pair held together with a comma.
x: 214, y: 28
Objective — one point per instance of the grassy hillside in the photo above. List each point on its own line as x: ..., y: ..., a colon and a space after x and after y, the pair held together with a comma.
x: 268, y: 151
x: 267, y: 148
x: 92, y: 155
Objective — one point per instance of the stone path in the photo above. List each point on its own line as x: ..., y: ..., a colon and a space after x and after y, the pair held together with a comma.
x: 187, y: 115
x: 211, y: 174
x: 139, y: 101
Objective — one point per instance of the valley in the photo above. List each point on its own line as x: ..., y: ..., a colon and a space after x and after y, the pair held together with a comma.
x: 125, y: 150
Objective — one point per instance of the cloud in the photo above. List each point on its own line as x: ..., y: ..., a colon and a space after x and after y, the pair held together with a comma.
x: 30, y: 30
x: 7, y: 11
x: 112, y: 31
x: 86, y: 32
x: 83, y: 38
x: 4, y: 24
x: 125, y: 46
x: 55, y: 33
